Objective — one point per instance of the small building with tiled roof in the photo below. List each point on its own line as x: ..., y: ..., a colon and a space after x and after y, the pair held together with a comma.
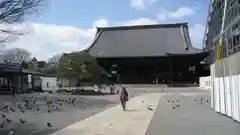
x: 161, y: 53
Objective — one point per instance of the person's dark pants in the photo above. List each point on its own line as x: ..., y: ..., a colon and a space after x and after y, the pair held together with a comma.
x: 123, y: 103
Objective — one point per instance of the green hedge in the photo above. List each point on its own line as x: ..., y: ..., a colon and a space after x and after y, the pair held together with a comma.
x: 62, y: 90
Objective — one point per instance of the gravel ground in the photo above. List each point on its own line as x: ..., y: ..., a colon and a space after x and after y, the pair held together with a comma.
x: 191, y: 117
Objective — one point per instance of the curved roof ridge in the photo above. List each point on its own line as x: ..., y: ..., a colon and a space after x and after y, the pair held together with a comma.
x: 96, y: 37
x: 149, y: 26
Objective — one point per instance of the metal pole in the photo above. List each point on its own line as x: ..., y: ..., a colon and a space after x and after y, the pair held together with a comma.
x: 224, y: 15
x: 222, y: 28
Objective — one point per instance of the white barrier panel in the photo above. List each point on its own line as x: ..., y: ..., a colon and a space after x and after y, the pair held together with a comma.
x: 212, y: 77
x: 238, y: 96
x: 226, y: 96
x: 222, y: 95
x: 235, y: 98
x: 217, y: 95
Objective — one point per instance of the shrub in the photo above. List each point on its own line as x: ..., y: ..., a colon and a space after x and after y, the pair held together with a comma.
x: 62, y: 90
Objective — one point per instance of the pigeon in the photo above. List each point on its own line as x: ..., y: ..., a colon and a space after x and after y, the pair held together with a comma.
x: 2, y: 125
x: 207, y: 101
x: 73, y: 100
x: 22, y: 121
x: 173, y: 107
x: 38, y: 109
x: 26, y: 105
x: 172, y: 101
x: 150, y: 109
x: 3, y: 115
x: 168, y: 101
x: 49, y: 111
x: 5, y: 106
x: 12, y: 109
x: 49, y: 124
x: 8, y: 120
x: 178, y: 106
x: 19, y: 106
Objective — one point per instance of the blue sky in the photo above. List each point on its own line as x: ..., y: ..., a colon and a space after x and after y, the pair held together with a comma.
x: 81, y: 14
x: 67, y: 25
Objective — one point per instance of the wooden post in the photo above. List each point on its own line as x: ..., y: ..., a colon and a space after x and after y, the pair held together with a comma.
x: 170, y: 70
x: 156, y: 75
x: 21, y: 87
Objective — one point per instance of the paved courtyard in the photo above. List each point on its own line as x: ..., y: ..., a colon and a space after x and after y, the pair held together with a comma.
x: 60, y: 115
x: 151, y: 111
x: 194, y: 116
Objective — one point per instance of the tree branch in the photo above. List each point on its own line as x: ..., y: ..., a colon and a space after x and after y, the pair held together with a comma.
x: 12, y: 11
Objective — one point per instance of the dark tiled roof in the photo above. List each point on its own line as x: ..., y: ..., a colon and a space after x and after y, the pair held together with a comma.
x: 145, y: 40
x: 6, y: 67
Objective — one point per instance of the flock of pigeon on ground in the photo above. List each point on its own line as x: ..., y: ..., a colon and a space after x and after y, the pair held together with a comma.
x: 29, y: 103
x: 176, y: 103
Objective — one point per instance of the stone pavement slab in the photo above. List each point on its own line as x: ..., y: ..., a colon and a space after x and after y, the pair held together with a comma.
x: 115, y: 121
x: 190, y: 118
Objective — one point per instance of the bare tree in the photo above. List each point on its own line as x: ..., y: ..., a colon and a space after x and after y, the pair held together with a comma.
x: 15, y: 11
x: 17, y: 55
x: 54, y: 61
x: 12, y: 11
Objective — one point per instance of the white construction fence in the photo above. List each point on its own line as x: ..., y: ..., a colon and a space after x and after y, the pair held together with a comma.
x: 225, y: 96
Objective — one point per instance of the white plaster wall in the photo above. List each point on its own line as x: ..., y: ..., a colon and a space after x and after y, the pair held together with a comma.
x: 52, y: 84
x: 205, y: 82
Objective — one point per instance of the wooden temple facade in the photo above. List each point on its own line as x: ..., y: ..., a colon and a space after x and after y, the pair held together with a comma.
x: 147, y: 54
x: 15, y: 74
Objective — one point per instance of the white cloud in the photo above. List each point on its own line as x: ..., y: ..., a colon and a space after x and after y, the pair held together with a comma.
x: 100, y: 23
x: 45, y: 40
x: 177, y: 14
x: 141, y: 4
x: 181, y: 12
x: 140, y: 21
